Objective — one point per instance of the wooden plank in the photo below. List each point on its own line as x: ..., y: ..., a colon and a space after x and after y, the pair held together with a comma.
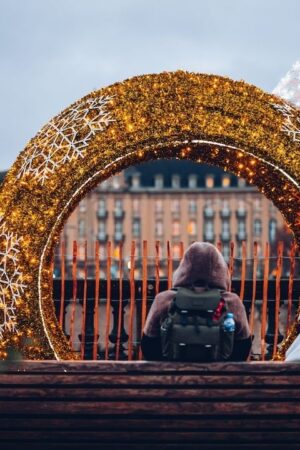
x: 136, y: 445
x: 116, y: 392
x: 146, y: 380
x: 143, y: 367
x: 218, y: 423
x: 156, y: 408
x: 103, y: 436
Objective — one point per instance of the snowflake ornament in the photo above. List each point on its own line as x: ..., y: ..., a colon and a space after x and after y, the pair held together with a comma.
x: 11, y: 286
x: 291, y: 124
x: 66, y: 138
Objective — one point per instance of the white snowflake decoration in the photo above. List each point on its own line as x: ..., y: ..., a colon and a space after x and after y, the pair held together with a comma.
x: 59, y: 141
x: 291, y: 124
x: 11, y: 286
x: 288, y: 87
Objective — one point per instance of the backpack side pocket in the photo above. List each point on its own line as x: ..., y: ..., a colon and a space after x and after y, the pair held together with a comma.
x: 226, y: 344
x: 165, y: 330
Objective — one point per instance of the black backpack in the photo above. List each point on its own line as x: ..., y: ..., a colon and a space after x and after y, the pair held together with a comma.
x: 191, y: 331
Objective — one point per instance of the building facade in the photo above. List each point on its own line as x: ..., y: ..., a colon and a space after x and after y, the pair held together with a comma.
x: 176, y: 201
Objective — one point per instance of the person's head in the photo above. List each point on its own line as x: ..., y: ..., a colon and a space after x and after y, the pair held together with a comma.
x: 202, y: 263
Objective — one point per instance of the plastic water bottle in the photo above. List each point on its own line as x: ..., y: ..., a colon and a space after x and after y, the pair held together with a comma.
x: 229, y: 323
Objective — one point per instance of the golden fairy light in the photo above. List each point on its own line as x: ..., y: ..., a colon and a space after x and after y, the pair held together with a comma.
x: 204, y: 118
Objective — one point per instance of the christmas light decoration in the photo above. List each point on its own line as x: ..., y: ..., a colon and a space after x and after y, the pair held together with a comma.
x: 203, y: 118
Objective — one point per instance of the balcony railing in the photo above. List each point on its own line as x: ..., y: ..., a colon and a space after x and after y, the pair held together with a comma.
x: 225, y: 236
x: 241, y: 236
x: 208, y: 213
x: 102, y: 214
x: 209, y: 236
x: 102, y: 236
x: 119, y: 214
x: 225, y: 213
x: 241, y: 213
x: 119, y: 237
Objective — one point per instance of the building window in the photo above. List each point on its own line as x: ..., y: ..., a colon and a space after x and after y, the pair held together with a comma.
x: 225, y: 233
x: 241, y: 205
x: 209, y: 181
x: 193, y: 181
x: 105, y: 184
x: 176, y: 251
x: 82, y: 206
x: 158, y: 206
x: 225, y: 226
x: 272, y: 230
x: 101, y: 231
x: 226, y: 251
x: 116, y: 181
x: 225, y: 181
x: 241, y: 226
x: 241, y: 182
x: 257, y: 204
x: 81, y: 228
x: 159, y: 228
x: 192, y: 228
x: 136, y: 206
x: 101, y: 204
x: 175, y: 181
x: 136, y: 180
x: 101, y: 227
x: 159, y: 181
x: 257, y: 227
x: 192, y: 207
x: 225, y: 205
x: 136, y: 228
x: 175, y: 228
x: 175, y: 206
x: 208, y: 230
x: 208, y: 209
x: 118, y: 208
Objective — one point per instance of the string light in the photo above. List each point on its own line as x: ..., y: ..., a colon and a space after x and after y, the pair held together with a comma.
x: 205, y: 118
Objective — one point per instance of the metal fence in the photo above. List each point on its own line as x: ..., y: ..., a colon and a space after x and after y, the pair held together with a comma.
x: 102, y: 302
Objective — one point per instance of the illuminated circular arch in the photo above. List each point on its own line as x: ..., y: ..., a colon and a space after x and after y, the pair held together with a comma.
x: 204, y: 118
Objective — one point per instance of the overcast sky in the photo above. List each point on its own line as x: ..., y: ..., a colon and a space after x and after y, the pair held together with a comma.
x: 55, y: 51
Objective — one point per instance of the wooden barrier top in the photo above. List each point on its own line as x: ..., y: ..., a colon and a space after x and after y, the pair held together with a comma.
x: 160, y: 367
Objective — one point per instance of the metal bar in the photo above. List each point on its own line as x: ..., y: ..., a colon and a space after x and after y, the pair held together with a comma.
x: 291, y: 283
x: 252, y: 309
x: 120, y: 306
x: 231, y: 263
x: 96, y: 302
x: 144, y: 290
x: 243, y: 270
x: 63, y: 274
x: 169, y: 265
x: 277, y: 300
x: 181, y: 250
x: 108, y: 298
x: 132, y: 301
x: 84, y: 304
x: 74, y: 296
x: 157, y: 266
x: 265, y: 302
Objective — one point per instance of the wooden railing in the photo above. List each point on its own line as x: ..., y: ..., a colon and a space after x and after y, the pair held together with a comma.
x: 104, y: 310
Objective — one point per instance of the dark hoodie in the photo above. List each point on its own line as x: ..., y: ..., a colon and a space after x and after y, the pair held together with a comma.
x: 202, y: 264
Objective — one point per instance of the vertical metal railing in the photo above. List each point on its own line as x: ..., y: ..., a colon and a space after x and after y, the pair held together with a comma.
x: 114, y: 305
